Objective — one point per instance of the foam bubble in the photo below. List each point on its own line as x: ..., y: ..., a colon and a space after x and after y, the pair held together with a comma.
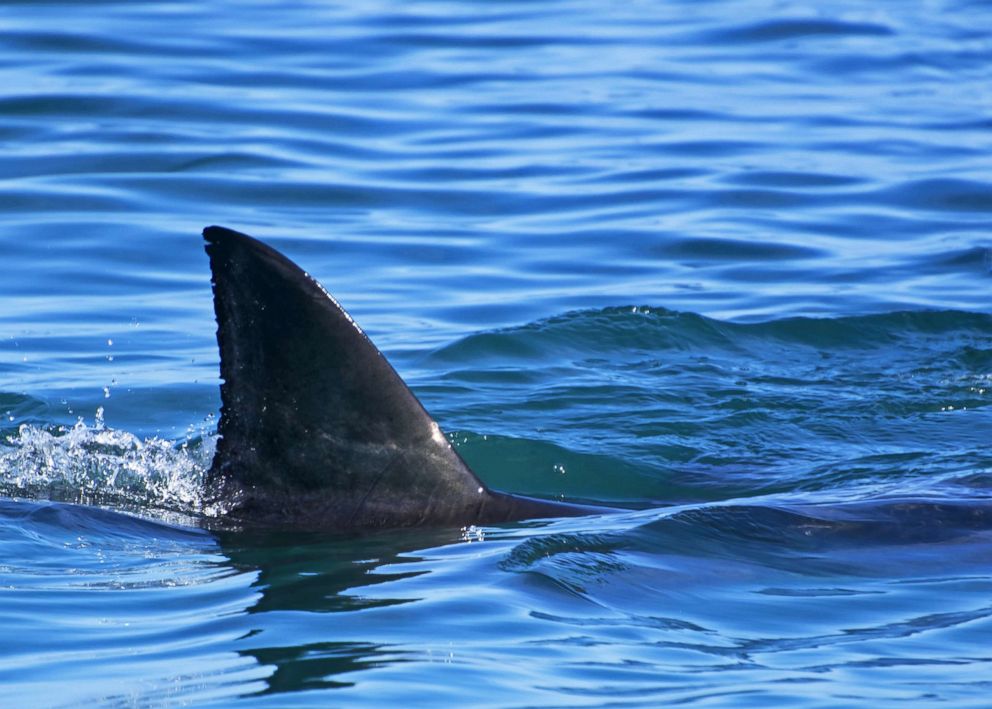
x: 95, y: 464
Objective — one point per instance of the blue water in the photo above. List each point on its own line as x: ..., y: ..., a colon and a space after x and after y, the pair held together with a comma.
x: 723, y: 264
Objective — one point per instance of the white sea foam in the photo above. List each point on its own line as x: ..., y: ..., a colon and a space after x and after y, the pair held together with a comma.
x: 95, y: 464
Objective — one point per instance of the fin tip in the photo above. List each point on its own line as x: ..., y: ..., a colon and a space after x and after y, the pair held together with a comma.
x: 214, y: 234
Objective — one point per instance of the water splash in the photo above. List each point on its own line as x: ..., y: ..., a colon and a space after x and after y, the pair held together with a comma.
x: 95, y: 464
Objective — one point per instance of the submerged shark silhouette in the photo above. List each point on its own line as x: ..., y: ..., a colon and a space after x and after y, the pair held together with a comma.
x: 317, y: 430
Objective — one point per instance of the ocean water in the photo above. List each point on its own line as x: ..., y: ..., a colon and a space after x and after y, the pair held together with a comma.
x: 722, y: 265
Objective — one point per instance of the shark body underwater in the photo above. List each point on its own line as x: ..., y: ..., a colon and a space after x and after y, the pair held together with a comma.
x: 317, y: 430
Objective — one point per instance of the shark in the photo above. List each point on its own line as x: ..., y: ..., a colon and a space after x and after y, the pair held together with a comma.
x: 317, y: 430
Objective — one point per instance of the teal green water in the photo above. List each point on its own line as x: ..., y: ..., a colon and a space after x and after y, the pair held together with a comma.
x: 725, y: 266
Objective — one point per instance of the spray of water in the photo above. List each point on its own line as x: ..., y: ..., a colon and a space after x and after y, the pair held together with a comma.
x: 95, y: 464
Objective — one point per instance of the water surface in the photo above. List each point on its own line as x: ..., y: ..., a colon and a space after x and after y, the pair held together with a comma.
x: 723, y: 265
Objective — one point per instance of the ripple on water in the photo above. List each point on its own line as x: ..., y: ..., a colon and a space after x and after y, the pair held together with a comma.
x: 710, y: 261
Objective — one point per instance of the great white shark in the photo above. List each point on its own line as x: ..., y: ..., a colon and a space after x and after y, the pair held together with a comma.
x: 317, y: 430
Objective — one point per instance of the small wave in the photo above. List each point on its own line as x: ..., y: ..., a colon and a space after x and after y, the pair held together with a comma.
x: 630, y: 327
x: 589, y: 332
x: 780, y: 30
x: 94, y: 464
x: 773, y: 534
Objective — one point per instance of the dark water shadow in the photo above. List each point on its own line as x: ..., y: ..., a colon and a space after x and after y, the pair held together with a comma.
x: 314, y: 573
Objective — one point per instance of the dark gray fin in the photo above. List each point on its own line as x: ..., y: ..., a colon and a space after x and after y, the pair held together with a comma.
x: 317, y: 429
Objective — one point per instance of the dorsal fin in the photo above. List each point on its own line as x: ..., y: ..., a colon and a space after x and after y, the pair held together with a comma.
x: 317, y: 430
x: 314, y: 419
